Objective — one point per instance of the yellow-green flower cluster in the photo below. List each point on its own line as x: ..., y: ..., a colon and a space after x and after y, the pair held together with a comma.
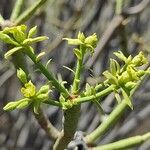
x: 18, y: 37
x: 126, y: 77
x: 88, y: 42
x: 28, y: 90
x: 31, y: 96
x: 130, y: 72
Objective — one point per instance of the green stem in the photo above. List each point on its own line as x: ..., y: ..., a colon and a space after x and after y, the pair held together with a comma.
x: 106, y: 124
x: 16, y: 10
x: 47, y: 73
x: 49, y: 129
x: 76, y: 81
x: 99, y: 86
x: 112, y: 118
x: 71, y: 117
x: 97, y: 95
x: 119, y: 5
x: 29, y: 12
x: 125, y: 143
x: 77, y: 77
x: 53, y: 102
x: 1, y: 18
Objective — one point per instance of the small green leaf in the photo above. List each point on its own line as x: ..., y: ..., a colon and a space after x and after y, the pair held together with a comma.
x: 39, y: 56
x: 48, y: 63
x: 32, y: 32
x: 12, y: 51
x: 111, y: 79
x: 81, y: 36
x: 127, y: 98
x: 36, y: 107
x: 73, y: 41
x: 118, y: 98
x: 62, y: 99
x: 100, y: 109
x: 114, y: 67
x: 69, y: 69
x: 7, y: 39
x: 121, y: 56
x: 77, y: 52
x: 77, y: 80
x: 88, y: 90
x: 30, y: 41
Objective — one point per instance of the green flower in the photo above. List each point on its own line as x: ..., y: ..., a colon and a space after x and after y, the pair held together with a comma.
x: 28, y: 90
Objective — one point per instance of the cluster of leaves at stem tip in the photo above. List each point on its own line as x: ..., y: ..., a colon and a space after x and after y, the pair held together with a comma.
x: 122, y: 78
x: 19, y: 39
x: 125, y: 78
x: 32, y: 96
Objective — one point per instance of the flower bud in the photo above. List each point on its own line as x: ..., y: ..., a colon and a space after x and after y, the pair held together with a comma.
x: 139, y: 60
x: 91, y: 41
x: 44, y: 89
x: 22, y: 76
x: 130, y: 85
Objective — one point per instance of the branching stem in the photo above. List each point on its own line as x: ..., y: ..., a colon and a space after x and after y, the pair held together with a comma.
x: 97, y: 95
x: 49, y: 129
x: 47, y: 73
x: 112, y: 118
x: 106, y: 124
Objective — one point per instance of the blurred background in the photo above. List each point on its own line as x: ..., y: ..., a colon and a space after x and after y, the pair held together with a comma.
x: 128, y: 32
